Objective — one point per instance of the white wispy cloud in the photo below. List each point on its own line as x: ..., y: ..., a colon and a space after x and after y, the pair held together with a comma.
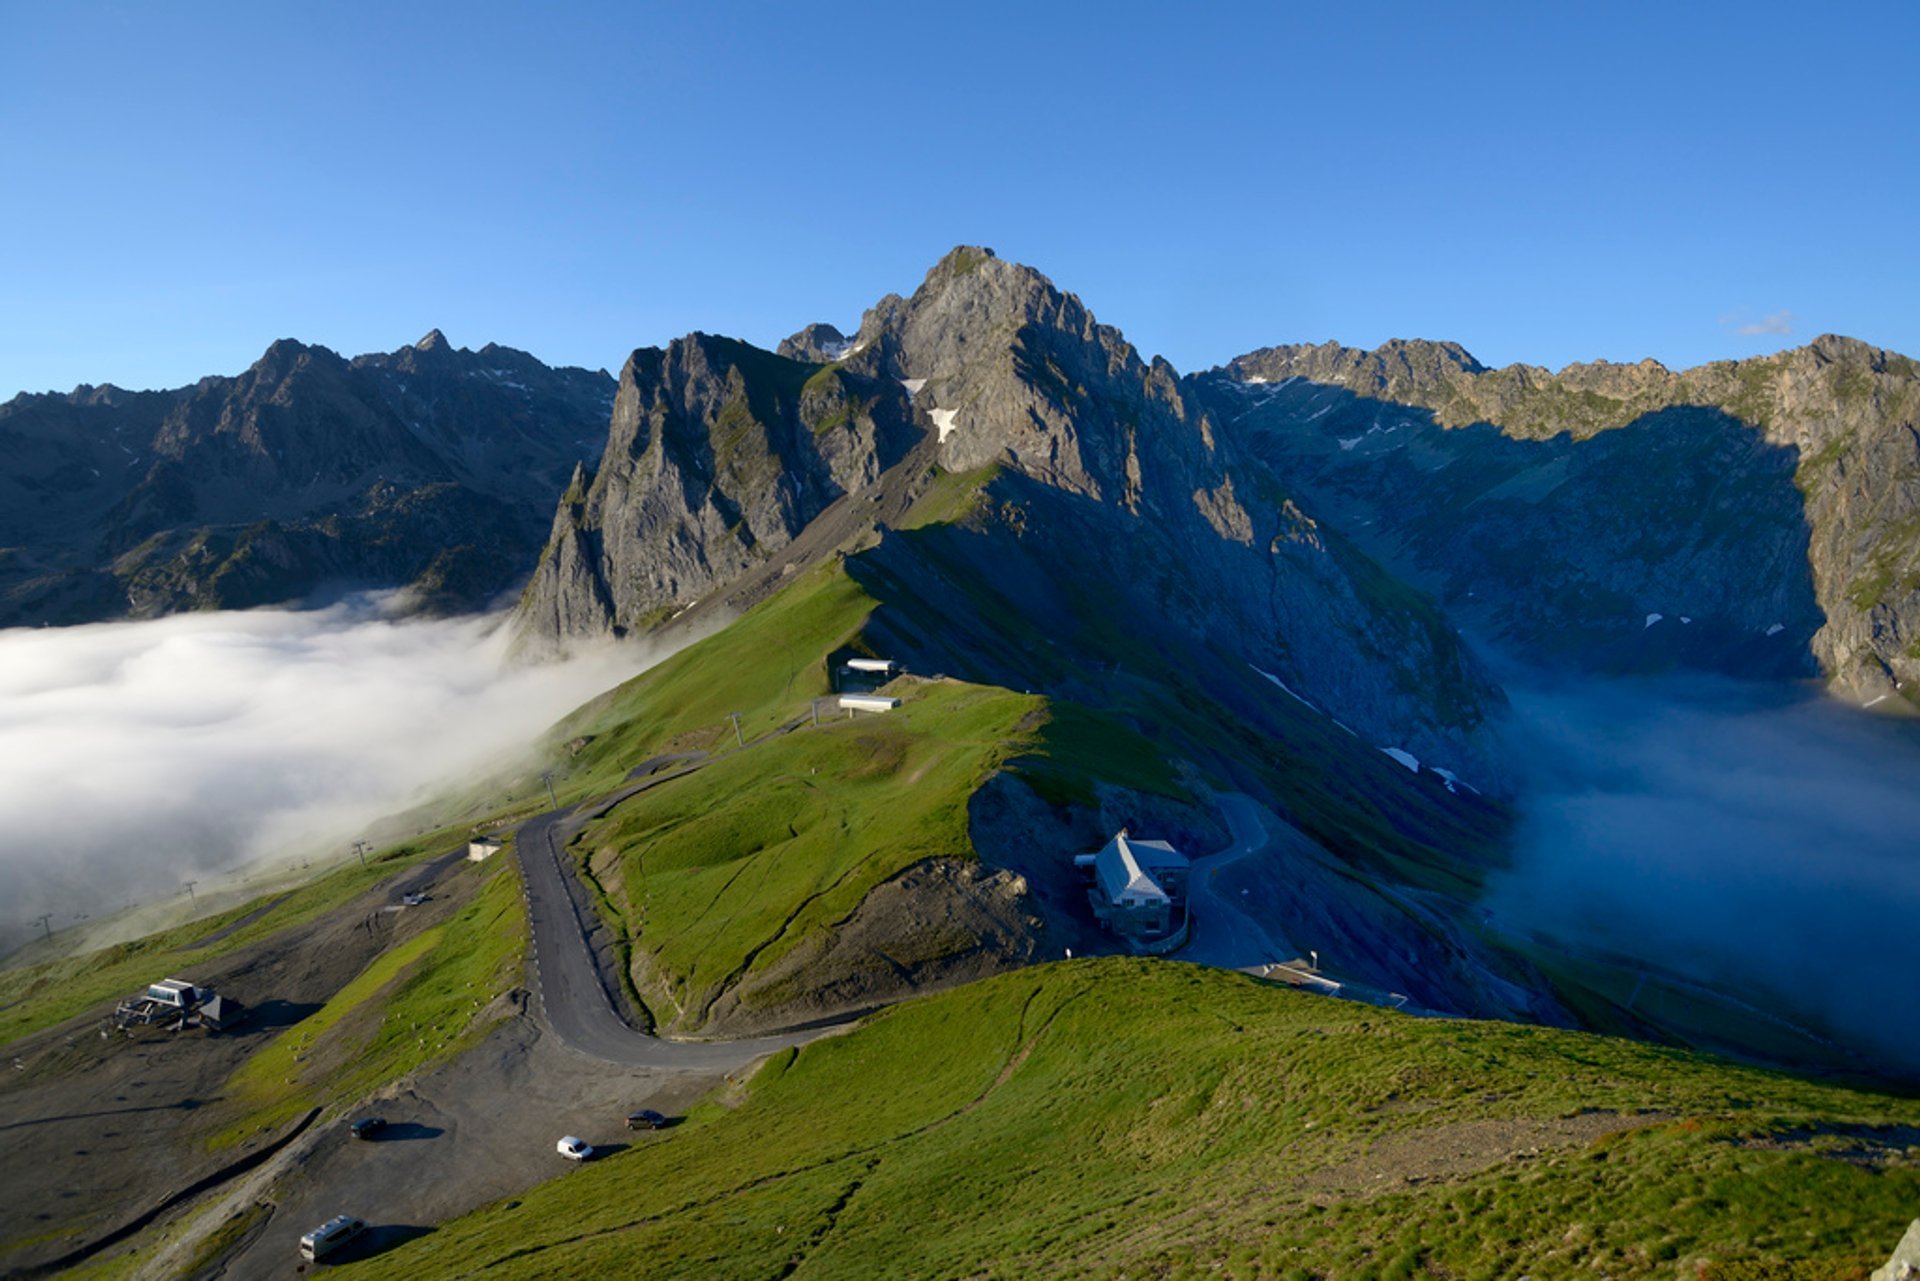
x: 1777, y: 322
x: 134, y: 755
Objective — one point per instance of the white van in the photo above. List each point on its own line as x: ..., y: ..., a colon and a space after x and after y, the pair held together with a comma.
x: 330, y: 1236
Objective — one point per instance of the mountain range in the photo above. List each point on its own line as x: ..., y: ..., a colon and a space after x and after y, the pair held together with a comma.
x: 1268, y: 612
x: 430, y: 468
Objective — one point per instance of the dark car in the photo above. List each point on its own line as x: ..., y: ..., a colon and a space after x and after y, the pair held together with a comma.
x: 367, y: 1126
x: 645, y: 1119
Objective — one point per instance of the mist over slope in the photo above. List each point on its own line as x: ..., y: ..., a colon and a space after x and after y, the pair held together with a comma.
x: 1756, y: 838
x: 141, y: 754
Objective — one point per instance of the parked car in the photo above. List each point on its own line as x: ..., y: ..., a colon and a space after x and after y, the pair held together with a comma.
x: 331, y: 1236
x: 574, y: 1149
x: 367, y: 1126
x: 645, y: 1119
x: 413, y: 900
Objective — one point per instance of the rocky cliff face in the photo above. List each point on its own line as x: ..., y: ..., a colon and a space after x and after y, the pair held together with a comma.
x: 1106, y: 487
x: 431, y: 467
x: 1837, y: 419
x: 719, y: 455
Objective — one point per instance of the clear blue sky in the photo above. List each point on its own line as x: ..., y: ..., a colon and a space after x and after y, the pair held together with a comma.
x: 1543, y: 182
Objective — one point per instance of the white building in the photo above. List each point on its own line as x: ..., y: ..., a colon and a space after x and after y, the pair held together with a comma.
x: 481, y: 848
x: 851, y: 703
x: 1137, y: 884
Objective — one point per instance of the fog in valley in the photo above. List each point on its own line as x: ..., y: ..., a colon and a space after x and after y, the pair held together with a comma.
x: 136, y: 756
x: 1760, y: 839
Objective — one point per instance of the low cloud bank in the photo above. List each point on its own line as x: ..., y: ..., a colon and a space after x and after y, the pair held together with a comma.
x: 134, y: 756
x: 1763, y: 841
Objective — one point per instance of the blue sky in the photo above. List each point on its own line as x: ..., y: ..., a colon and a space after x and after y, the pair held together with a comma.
x: 1542, y: 182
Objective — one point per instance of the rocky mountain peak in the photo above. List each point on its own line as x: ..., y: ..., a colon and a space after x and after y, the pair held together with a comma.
x: 281, y: 356
x: 816, y: 344
x: 432, y: 340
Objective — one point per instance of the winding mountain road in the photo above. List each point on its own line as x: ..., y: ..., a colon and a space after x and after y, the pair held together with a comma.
x: 571, y: 989
x: 1224, y: 935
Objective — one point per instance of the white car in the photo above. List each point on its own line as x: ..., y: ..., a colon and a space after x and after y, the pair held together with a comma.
x: 574, y: 1149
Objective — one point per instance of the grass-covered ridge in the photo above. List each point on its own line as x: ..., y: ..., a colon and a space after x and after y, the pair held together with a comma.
x: 1156, y: 1119
x: 724, y: 872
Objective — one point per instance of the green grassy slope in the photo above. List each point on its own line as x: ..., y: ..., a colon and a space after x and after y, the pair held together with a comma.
x: 41, y: 994
x: 713, y: 879
x: 1152, y: 1119
x: 419, y: 1002
x: 722, y: 873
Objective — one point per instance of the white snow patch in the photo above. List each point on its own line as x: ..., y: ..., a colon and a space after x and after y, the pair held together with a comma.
x: 1870, y: 702
x: 1283, y: 685
x: 843, y: 350
x: 1321, y: 412
x: 1347, y: 443
x: 1257, y: 380
x: 1685, y: 619
x: 1406, y: 758
x: 913, y: 385
x: 1652, y: 619
x: 1346, y: 727
x: 1453, y: 781
x: 1776, y: 629
x: 944, y: 420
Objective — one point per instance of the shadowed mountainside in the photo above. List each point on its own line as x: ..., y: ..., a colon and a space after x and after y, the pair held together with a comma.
x: 1837, y: 417
x: 430, y: 467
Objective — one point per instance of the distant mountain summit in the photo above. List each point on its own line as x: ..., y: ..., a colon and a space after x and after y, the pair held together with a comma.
x: 430, y: 468
x: 1772, y: 503
x: 987, y: 445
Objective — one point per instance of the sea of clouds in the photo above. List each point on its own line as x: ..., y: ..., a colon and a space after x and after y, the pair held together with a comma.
x: 1763, y: 840
x: 137, y: 756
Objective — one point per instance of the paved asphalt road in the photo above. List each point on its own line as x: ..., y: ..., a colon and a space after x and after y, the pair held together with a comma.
x: 565, y: 981
x: 1223, y: 934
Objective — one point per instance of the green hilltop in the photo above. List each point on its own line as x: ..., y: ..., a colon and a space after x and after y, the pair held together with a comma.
x: 1121, y: 1117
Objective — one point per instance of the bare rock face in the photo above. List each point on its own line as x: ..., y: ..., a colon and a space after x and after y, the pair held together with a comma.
x: 1014, y: 371
x: 1843, y: 418
x: 719, y: 454
x: 817, y: 344
x: 1107, y: 478
x: 1905, y: 1263
x: 432, y: 467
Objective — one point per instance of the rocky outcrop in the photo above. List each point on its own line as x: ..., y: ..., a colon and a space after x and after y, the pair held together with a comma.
x: 719, y: 455
x: 431, y: 467
x: 1841, y: 418
x: 938, y: 924
x: 1904, y: 1265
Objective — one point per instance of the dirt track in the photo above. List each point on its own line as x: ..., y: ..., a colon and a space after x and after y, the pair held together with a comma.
x: 98, y: 1129
x: 461, y: 1135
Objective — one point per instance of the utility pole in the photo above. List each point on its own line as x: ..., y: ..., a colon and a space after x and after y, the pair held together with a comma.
x: 192, y: 898
x: 735, y: 718
x: 547, y: 777
x: 816, y: 711
x: 360, y: 848
x: 42, y: 922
